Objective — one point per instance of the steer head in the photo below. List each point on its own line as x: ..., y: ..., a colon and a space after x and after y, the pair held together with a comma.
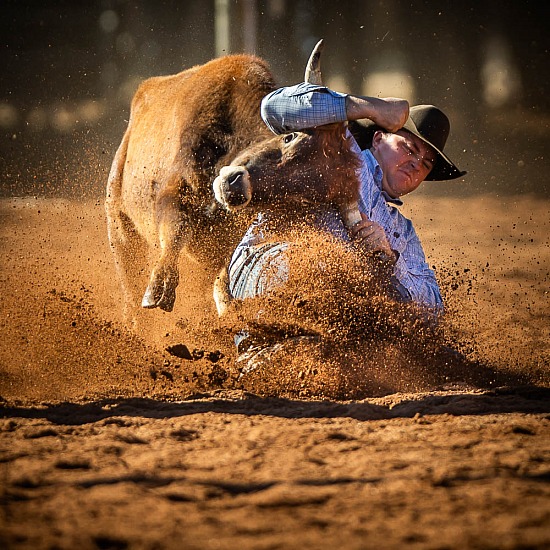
x: 312, y: 166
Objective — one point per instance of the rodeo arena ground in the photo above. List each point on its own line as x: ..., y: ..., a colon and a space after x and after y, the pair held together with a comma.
x: 132, y: 427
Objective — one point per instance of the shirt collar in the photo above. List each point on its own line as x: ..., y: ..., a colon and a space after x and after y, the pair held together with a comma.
x: 376, y: 172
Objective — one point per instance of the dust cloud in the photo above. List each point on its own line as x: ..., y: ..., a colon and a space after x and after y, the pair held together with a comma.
x: 63, y: 320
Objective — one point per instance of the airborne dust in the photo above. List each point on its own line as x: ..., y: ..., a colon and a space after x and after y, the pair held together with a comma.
x: 64, y: 336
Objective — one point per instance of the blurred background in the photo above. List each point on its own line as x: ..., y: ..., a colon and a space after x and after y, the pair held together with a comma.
x: 69, y: 71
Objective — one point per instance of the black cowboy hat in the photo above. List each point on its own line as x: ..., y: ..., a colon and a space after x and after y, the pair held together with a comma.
x: 428, y: 123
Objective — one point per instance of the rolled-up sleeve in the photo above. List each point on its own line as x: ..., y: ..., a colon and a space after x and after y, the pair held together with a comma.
x: 302, y: 106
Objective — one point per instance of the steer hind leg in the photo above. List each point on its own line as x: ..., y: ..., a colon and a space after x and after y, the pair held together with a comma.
x: 172, y: 236
x: 129, y: 248
x: 130, y: 253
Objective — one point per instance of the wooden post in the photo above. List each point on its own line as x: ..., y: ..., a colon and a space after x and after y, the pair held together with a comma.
x: 221, y: 26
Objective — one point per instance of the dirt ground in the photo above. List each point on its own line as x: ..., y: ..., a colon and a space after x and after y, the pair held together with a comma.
x: 110, y: 440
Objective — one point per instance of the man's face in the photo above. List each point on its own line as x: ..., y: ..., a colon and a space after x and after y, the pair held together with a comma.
x: 405, y: 161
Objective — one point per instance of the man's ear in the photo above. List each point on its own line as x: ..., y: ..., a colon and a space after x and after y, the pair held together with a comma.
x: 377, y: 139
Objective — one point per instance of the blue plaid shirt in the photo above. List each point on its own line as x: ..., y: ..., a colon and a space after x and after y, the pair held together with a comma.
x: 305, y: 106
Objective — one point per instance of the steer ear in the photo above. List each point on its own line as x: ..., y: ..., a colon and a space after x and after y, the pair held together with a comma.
x: 313, y: 67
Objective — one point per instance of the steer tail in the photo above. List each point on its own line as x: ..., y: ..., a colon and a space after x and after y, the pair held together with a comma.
x: 114, y: 182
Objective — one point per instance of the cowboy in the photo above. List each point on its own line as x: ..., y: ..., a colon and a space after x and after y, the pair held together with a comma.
x: 393, y: 164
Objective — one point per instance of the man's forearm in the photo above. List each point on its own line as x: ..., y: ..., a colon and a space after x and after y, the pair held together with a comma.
x: 306, y: 106
x: 390, y: 113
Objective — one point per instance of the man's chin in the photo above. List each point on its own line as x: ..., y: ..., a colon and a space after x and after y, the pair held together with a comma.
x: 397, y: 189
x: 391, y: 192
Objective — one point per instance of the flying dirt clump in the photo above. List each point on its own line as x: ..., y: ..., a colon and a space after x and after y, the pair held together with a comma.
x: 365, y: 341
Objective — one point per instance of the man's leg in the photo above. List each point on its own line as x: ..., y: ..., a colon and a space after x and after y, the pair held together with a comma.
x: 256, y: 270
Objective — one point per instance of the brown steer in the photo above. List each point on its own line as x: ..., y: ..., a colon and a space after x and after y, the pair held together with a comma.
x: 183, y: 129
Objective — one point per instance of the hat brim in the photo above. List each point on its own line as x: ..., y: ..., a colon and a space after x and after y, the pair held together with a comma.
x: 444, y: 168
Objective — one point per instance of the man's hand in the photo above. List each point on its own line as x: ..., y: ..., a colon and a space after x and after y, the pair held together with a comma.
x: 389, y: 113
x: 372, y: 237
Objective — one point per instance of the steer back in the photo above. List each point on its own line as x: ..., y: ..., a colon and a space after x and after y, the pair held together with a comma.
x: 182, y: 128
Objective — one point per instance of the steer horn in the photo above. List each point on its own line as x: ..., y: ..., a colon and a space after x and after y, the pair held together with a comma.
x: 349, y: 211
x: 313, y: 67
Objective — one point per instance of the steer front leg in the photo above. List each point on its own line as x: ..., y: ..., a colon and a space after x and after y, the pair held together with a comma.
x: 173, y: 233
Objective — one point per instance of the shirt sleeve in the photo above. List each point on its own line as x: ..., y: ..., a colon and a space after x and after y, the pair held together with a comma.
x: 416, y: 277
x: 302, y: 106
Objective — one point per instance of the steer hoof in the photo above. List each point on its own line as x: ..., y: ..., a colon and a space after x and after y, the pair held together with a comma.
x: 163, y: 298
x: 161, y: 291
x: 149, y: 300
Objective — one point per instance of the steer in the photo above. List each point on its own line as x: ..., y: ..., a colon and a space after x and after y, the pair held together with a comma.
x: 183, y: 130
